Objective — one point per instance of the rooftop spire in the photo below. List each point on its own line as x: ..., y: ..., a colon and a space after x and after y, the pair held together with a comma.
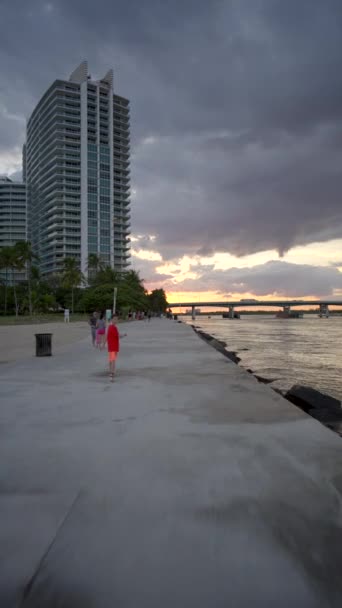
x: 80, y: 74
x: 109, y: 78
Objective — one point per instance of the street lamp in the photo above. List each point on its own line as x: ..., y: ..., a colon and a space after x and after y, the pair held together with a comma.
x: 114, y: 299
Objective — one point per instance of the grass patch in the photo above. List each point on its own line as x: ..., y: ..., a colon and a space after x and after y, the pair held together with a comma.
x: 40, y: 318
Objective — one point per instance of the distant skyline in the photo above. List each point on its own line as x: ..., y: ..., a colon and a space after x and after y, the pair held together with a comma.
x: 236, y: 111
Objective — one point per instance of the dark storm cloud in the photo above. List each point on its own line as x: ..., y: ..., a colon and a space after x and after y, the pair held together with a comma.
x: 243, y: 199
x: 275, y: 278
x: 236, y: 109
x: 147, y: 271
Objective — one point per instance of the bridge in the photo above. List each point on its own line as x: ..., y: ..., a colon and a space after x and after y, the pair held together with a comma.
x: 322, y: 305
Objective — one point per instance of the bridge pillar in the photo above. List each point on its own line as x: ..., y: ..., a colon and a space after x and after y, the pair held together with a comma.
x: 286, y: 308
x: 231, y: 312
x: 193, y: 313
x: 324, y: 310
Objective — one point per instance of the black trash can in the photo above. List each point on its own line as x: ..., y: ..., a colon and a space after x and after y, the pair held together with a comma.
x: 43, y: 345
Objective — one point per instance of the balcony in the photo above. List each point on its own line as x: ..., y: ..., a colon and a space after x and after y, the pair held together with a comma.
x: 124, y: 161
x: 120, y: 166
x: 122, y: 175
x: 118, y: 216
x: 120, y: 195
x: 125, y: 189
x: 123, y: 144
x: 122, y: 238
x: 120, y: 129
x: 126, y: 205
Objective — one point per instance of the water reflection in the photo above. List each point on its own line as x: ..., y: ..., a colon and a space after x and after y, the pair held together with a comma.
x: 306, y: 351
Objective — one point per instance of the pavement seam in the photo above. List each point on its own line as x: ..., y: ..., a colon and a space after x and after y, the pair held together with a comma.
x: 29, y: 585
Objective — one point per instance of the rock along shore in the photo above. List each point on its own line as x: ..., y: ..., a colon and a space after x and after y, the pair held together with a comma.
x: 320, y: 406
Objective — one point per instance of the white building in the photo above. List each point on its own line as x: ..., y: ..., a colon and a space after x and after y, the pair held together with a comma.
x: 76, y: 164
x: 12, y: 218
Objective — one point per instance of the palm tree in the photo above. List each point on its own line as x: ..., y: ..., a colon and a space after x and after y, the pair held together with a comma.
x: 6, y: 255
x: 133, y: 278
x: 95, y: 264
x: 107, y: 276
x: 35, y: 286
x: 26, y: 257
x: 132, y: 289
x: 16, y: 264
x: 72, y: 277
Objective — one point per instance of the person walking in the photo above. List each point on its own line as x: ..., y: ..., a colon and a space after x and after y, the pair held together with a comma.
x: 113, y: 344
x: 101, y: 331
x: 92, y: 323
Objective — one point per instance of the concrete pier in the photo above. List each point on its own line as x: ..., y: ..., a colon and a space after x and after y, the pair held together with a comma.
x: 185, y: 483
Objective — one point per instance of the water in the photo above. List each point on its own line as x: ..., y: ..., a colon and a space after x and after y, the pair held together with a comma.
x: 289, y: 351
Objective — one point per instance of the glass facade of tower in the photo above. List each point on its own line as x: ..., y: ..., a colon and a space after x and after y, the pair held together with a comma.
x: 77, y: 172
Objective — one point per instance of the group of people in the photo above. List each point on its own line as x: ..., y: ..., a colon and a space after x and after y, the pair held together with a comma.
x: 139, y: 315
x: 97, y: 324
x: 102, y: 335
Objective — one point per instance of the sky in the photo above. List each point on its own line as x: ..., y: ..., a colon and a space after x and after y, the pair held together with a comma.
x: 236, y: 116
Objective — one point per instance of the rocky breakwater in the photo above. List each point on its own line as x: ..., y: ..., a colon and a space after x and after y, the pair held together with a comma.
x: 323, y: 408
x: 219, y: 345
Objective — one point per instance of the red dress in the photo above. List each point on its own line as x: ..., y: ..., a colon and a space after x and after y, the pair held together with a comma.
x: 113, y: 339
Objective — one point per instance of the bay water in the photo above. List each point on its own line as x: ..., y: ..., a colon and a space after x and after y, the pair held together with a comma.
x: 288, y: 351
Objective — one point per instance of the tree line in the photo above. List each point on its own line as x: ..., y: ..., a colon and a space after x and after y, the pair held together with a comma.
x: 69, y: 288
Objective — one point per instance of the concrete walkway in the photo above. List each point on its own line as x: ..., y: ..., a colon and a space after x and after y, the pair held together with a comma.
x: 183, y: 484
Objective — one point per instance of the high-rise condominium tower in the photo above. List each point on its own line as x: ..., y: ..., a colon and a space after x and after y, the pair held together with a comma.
x: 76, y: 164
x: 12, y: 221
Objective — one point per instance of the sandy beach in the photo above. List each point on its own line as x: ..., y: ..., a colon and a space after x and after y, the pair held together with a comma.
x: 18, y: 342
